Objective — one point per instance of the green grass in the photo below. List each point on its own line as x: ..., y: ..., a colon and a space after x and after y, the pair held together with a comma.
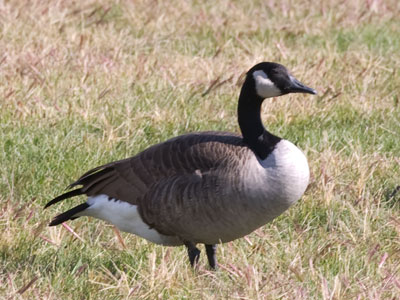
x: 85, y: 85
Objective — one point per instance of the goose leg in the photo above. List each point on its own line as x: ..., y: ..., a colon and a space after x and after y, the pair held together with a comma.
x: 212, y: 259
x: 194, y: 253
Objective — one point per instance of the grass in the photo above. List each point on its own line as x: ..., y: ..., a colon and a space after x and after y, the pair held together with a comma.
x: 85, y: 84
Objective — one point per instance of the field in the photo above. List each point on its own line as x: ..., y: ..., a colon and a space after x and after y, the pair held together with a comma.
x: 85, y: 84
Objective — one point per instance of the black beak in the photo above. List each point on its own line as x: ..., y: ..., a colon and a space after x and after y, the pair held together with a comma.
x: 297, y: 87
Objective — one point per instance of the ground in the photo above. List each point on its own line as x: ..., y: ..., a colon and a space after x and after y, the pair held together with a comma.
x: 85, y: 84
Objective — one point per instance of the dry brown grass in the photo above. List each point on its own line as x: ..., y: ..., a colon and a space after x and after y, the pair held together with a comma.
x: 83, y: 84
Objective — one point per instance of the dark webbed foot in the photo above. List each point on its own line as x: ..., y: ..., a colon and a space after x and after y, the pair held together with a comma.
x: 194, y: 253
x: 212, y: 259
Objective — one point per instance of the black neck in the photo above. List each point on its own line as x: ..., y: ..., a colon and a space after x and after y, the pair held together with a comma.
x: 249, y: 116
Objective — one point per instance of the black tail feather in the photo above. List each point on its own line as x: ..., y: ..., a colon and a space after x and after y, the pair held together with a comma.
x: 89, y: 176
x: 69, y: 214
x: 64, y: 196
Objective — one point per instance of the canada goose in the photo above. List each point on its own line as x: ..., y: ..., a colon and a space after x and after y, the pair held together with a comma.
x: 203, y: 187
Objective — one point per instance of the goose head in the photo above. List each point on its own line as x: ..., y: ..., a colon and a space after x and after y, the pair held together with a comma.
x: 264, y: 80
x: 270, y: 79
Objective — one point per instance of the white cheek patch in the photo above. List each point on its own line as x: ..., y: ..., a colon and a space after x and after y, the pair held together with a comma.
x: 264, y: 86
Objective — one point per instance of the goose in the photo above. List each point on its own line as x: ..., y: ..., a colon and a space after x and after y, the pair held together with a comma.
x: 203, y: 187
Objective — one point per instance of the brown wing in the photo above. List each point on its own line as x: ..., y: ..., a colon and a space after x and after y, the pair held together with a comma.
x: 167, y: 179
x: 131, y: 178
